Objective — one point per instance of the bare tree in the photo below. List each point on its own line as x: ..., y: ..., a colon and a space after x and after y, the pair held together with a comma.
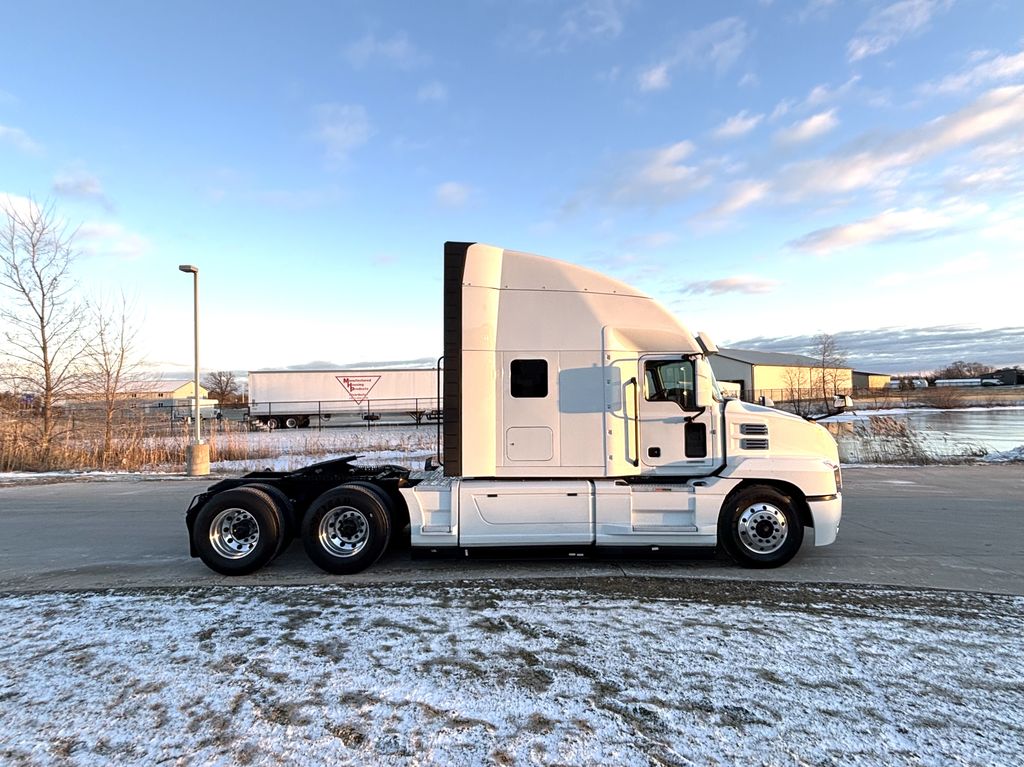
x: 830, y: 359
x: 799, y: 388
x: 112, y: 362
x: 43, y: 337
x: 962, y: 369
x: 222, y: 386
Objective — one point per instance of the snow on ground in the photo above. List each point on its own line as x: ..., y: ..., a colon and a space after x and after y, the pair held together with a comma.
x: 860, y: 414
x: 630, y: 672
x: 1006, y: 456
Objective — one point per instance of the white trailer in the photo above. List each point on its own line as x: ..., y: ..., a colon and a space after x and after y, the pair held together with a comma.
x: 578, y: 415
x: 294, y: 398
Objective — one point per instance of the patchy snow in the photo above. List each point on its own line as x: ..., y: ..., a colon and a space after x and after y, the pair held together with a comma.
x: 862, y: 414
x: 637, y: 673
x: 1005, y: 456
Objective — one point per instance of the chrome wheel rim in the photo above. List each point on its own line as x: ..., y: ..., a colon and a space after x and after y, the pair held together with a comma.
x: 344, y: 531
x: 762, y: 528
x: 234, y: 533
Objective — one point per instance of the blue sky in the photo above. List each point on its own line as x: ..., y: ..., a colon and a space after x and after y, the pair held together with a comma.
x: 769, y: 170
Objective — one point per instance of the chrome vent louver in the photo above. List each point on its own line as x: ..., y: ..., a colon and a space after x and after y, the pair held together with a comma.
x: 754, y: 428
x: 753, y: 444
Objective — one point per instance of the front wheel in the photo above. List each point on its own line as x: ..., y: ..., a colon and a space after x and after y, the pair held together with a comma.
x: 760, y: 527
x: 238, y: 531
x: 346, y: 529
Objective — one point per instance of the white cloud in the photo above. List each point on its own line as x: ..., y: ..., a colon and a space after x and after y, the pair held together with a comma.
x: 890, y: 25
x: 812, y: 127
x: 107, y: 238
x: 341, y: 128
x: 452, y: 194
x: 655, y: 79
x: 658, y: 177
x: 743, y: 283
x: 81, y: 185
x: 21, y: 207
x: 594, y: 19
x: 718, y: 46
x: 19, y: 139
x: 781, y: 109
x: 990, y: 69
x: 888, y: 225
x: 434, y: 91
x: 749, y: 79
x: 815, y: 9
x: 738, y: 125
x: 396, y: 51
x: 823, y: 94
x: 741, y: 195
x: 886, y: 163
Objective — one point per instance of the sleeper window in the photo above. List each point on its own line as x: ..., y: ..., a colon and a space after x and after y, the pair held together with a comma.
x: 529, y: 378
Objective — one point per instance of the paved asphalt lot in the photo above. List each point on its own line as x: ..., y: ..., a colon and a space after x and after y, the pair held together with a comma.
x: 959, y: 527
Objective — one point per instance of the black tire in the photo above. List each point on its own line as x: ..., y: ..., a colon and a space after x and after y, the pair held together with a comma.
x: 760, y: 527
x: 272, y: 423
x: 291, y: 422
x: 237, y: 531
x: 285, y: 515
x: 346, y: 529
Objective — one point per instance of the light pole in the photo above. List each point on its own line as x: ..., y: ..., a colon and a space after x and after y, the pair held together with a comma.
x: 197, y: 454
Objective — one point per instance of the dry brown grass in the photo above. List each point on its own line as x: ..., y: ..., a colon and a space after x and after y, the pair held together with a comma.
x: 137, y: 443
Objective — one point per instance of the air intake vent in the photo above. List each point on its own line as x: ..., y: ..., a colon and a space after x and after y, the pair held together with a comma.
x: 754, y: 428
x: 754, y: 444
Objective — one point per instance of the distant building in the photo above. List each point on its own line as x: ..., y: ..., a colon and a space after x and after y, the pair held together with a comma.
x: 170, y: 398
x: 1006, y: 376
x: 779, y: 376
x: 863, y: 380
x: 159, y: 389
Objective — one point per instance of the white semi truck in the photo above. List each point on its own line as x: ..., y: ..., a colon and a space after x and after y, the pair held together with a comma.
x: 579, y: 415
x: 294, y: 398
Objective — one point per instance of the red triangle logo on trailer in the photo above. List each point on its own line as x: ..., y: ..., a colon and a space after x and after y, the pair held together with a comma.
x: 358, y: 387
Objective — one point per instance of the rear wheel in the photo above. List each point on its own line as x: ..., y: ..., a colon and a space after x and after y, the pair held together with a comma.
x: 273, y: 423
x: 237, y: 532
x: 285, y: 515
x: 291, y: 422
x: 760, y: 527
x: 346, y: 529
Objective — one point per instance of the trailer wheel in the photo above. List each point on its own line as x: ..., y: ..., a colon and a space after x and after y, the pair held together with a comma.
x: 237, y: 531
x: 272, y: 423
x: 291, y: 422
x: 285, y: 515
x: 760, y: 527
x: 346, y: 529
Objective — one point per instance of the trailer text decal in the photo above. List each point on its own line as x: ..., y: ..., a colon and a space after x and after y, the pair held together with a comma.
x: 358, y: 387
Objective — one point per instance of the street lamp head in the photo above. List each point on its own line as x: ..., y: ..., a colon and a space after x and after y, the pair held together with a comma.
x: 189, y: 269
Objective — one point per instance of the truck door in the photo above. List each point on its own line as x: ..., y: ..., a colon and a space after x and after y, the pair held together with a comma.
x: 676, y: 436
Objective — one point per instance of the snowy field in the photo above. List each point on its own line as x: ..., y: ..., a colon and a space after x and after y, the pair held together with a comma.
x: 644, y: 672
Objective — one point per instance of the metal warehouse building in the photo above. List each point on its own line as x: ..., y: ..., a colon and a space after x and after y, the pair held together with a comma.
x: 778, y: 376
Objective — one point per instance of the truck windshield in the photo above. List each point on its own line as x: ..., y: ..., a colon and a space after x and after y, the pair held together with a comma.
x: 670, y: 381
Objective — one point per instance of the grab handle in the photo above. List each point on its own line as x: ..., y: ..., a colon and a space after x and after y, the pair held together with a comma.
x: 636, y: 419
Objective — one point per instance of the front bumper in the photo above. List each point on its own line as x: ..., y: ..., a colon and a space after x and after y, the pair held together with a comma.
x: 826, y: 512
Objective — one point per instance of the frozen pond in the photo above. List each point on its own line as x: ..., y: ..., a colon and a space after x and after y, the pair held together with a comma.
x: 887, y: 436
x: 997, y: 429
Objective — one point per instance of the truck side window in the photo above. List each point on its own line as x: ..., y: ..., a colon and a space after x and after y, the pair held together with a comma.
x: 670, y: 381
x: 529, y: 378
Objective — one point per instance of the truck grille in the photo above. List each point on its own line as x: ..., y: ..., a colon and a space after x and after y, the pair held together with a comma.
x: 753, y: 444
x: 754, y: 428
